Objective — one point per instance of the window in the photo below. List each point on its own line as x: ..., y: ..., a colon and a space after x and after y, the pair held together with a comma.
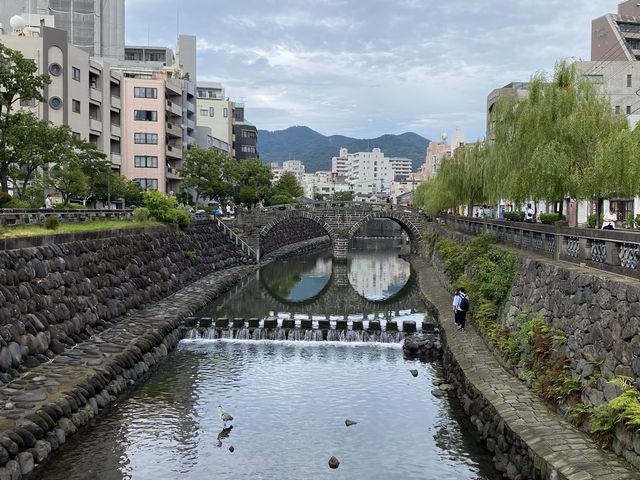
x: 146, y: 138
x: 75, y: 106
x: 618, y: 109
x: 248, y: 134
x: 145, y: 161
x: 629, y: 80
x: 225, y: 112
x: 204, y: 112
x: 628, y: 109
x: 211, y: 112
x: 28, y: 102
x: 145, y: 115
x: 145, y: 92
x: 595, y: 79
x: 147, y: 183
x: 76, y: 135
x: 248, y: 149
x: 75, y: 74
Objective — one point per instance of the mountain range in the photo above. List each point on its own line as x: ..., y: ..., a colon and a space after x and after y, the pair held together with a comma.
x: 316, y: 150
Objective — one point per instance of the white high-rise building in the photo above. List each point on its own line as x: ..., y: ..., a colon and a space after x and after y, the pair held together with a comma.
x: 294, y: 166
x: 95, y: 26
x: 369, y: 172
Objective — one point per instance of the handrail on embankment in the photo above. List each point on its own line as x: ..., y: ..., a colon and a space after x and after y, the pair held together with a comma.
x: 616, y: 251
x: 231, y: 234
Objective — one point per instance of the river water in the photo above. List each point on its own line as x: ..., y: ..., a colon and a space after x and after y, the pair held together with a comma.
x: 289, y: 399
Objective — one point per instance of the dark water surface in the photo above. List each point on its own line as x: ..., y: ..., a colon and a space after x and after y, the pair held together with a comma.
x: 289, y: 399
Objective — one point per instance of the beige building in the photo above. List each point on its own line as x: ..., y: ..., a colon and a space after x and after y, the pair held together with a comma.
x: 436, y: 152
x: 84, y: 93
x: 294, y: 166
x: 214, y: 110
x: 616, y: 37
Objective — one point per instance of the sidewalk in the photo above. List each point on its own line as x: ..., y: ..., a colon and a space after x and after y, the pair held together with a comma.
x: 549, y: 436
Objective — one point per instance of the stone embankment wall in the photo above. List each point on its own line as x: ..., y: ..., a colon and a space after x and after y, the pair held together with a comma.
x: 294, y: 230
x: 599, y: 314
x: 55, y: 296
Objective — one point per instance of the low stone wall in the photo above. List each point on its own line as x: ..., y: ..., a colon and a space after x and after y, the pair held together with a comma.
x: 300, y: 248
x: 57, y: 295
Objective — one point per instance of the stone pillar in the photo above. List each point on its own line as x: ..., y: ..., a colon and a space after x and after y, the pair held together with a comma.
x: 340, y: 247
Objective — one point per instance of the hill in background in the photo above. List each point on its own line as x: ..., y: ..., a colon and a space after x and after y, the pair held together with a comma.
x: 316, y: 150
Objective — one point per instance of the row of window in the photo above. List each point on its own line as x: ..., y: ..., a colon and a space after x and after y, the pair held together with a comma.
x: 147, y: 183
x: 248, y: 149
x: 628, y: 110
x: 248, y: 134
x: 211, y: 112
x: 145, y: 161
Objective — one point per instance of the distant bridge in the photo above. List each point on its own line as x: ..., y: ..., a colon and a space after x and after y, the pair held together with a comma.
x: 269, y: 229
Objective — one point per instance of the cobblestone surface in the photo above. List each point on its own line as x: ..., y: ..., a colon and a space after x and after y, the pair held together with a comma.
x: 551, y: 440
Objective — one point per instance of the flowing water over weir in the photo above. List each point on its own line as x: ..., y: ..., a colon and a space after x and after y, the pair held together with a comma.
x: 292, y: 354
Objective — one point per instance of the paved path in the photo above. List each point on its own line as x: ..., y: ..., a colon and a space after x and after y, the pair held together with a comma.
x: 568, y: 450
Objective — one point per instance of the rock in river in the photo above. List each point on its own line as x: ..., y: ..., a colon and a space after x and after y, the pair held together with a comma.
x: 334, y: 462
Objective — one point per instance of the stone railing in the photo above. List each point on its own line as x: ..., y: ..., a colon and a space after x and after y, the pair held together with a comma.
x: 18, y: 216
x: 616, y: 251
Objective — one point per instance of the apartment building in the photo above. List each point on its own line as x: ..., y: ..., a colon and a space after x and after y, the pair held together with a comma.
x: 401, y: 167
x: 616, y: 37
x: 245, y: 135
x: 323, y: 184
x: 214, y: 111
x: 340, y: 164
x: 294, y: 166
x: 94, y: 26
x: 368, y: 172
x: 436, y: 153
x: 85, y: 93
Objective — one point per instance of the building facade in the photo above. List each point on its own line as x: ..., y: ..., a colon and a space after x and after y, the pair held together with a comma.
x: 95, y: 26
x: 294, y: 166
x: 616, y: 37
x: 214, y: 111
x: 245, y: 135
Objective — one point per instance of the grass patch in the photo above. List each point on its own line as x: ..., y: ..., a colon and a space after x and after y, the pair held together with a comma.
x: 98, y: 225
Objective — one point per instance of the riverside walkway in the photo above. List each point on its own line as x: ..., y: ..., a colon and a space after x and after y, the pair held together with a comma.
x: 550, y: 438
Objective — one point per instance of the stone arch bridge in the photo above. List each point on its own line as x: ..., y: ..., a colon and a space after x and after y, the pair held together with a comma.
x: 266, y: 230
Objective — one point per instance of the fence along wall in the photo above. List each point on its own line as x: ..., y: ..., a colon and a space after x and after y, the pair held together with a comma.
x: 616, y: 251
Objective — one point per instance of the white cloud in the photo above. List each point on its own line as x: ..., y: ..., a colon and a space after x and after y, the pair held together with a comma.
x: 368, y: 67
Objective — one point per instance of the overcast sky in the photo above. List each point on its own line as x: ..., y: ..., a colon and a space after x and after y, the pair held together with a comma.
x: 364, y: 68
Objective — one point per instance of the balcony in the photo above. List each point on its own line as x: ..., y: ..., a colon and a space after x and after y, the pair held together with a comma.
x: 116, y: 159
x: 174, y: 130
x: 174, y: 108
x: 174, y: 151
x: 116, y: 131
x: 95, y: 95
x: 172, y: 173
x: 191, y: 124
x: 116, y: 102
x: 191, y: 107
x: 95, y: 125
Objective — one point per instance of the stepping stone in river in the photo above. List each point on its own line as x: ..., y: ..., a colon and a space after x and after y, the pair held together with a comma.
x: 414, y: 372
x: 348, y: 422
x: 334, y: 462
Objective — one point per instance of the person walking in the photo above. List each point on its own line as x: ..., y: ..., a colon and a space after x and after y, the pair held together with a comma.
x: 460, y: 307
x: 528, y: 214
x: 48, y: 203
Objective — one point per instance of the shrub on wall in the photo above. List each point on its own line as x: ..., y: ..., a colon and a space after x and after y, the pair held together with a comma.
x: 551, y: 218
x: 165, y: 209
x: 141, y: 214
x: 52, y: 222
x: 514, y: 216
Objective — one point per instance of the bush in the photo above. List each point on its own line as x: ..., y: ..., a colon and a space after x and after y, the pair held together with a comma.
x: 514, y: 216
x: 69, y: 206
x: 551, y: 218
x: 281, y: 199
x: 17, y: 203
x: 592, y: 222
x: 178, y: 217
x: 158, y: 204
x: 52, y: 222
x: 141, y: 214
x: 4, y: 199
x: 452, y: 255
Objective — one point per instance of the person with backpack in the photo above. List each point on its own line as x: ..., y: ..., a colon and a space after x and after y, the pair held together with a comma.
x: 460, y: 307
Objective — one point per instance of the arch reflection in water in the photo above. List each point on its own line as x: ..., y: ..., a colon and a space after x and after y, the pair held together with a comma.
x: 371, y: 284
x: 300, y: 279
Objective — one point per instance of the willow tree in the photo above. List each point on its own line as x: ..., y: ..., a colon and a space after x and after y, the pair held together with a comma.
x: 545, y: 145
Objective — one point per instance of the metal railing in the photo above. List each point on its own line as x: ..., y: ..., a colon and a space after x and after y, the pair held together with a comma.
x: 616, y: 251
x: 234, y: 236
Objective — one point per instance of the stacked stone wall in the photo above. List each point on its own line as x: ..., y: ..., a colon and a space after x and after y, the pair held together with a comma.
x: 290, y: 231
x: 55, y: 296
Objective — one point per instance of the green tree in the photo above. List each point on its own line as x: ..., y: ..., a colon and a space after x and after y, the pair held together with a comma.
x: 32, y: 145
x: 19, y: 80
x: 70, y: 182
x: 343, y: 196
x: 208, y: 172
x: 254, y: 174
x: 289, y: 185
x: 247, y: 195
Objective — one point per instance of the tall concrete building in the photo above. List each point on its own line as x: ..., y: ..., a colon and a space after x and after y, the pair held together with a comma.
x: 84, y: 93
x: 95, y: 26
x: 617, y: 36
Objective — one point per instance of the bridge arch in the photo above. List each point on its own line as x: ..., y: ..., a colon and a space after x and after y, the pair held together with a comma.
x: 409, y: 227
x: 292, y: 227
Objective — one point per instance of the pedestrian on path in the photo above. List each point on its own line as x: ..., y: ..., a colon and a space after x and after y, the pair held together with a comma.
x: 460, y: 307
x: 610, y: 220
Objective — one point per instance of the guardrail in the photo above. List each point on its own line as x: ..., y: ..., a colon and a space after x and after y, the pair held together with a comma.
x: 232, y: 235
x: 616, y: 251
x: 10, y: 217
